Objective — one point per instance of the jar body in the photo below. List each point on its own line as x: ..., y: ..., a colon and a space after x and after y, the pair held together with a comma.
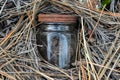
x: 58, y: 42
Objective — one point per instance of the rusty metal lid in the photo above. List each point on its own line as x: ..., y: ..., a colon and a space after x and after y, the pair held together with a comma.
x: 59, y: 18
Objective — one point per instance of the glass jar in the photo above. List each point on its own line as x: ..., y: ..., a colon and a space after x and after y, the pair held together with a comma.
x: 56, y: 34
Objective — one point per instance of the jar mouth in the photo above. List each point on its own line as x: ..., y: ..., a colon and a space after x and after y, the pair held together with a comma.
x: 57, y: 18
x: 57, y: 28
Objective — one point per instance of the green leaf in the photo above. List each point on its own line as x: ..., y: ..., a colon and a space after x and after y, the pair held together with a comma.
x: 105, y: 2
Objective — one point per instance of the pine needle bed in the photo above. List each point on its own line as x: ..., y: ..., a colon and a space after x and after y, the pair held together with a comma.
x: 98, y: 48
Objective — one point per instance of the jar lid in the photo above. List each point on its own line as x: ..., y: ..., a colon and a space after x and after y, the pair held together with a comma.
x: 61, y: 18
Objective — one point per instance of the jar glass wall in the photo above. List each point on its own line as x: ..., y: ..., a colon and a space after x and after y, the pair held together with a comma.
x: 58, y: 42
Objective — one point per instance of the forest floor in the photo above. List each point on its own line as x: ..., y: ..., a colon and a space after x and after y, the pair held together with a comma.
x: 98, y: 46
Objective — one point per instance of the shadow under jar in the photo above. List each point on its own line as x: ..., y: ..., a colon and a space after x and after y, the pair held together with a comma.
x: 57, y: 35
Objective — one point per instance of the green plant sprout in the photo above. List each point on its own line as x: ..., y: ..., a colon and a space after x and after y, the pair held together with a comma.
x: 104, y: 3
